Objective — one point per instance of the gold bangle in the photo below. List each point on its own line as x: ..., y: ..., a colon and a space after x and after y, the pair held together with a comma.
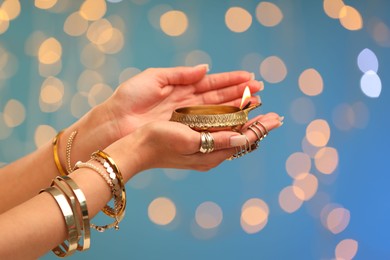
x: 107, y: 159
x: 55, y: 153
x: 70, y: 221
x: 85, y: 231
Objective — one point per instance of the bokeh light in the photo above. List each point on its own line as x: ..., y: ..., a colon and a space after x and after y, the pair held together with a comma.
x: 298, y: 165
x: 288, y: 200
x: 162, y: 211
x: 14, y: 113
x: 75, y: 24
x: 268, y: 14
x: 371, y: 84
x: 333, y: 7
x: 44, y: 4
x: 273, y: 69
x: 310, y: 82
x: 337, y: 220
x: 52, y: 93
x: 196, y: 57
x: 305, y: 187
x: 346, y: 249
x: 326, y: 160
x: 238, y: 19
x: 12, y: 8
x: 174, y: 23
x: 43, y: 134
x: 318, y: 132
x: 350, y: 18
x: 93, y: 10
x: 208, y: 215
x: 50, y: 51
x: 381, y: 33
x: 367, y: 61
x: 254, y: 215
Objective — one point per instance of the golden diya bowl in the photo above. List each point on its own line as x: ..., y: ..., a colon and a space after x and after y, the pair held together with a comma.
x: 213, y: 117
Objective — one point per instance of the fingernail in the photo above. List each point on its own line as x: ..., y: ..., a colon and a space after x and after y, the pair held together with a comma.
x: 281, y: 118
x: 203, y: 66
x: 237, y: 140
x: 258, y: 99
x: 252, y: 76
x: 261, y: 85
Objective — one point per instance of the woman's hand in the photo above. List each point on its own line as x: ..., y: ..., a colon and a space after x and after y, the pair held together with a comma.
x: 165, y: 144
x: 154, y: 93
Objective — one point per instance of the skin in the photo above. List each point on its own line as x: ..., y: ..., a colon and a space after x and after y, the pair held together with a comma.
x: 135, y: 118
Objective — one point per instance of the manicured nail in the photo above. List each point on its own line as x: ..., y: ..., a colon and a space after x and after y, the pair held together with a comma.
x: 237, y: 140
x: 281, y: 118
x: 203, y: 65
x: 252, y: 76
x: 258, y: 99
x: 261, y: 85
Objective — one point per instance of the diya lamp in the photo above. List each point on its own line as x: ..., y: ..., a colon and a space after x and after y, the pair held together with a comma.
x: 216, y: 117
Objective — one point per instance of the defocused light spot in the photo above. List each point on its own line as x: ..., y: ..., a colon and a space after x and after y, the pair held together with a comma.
x: 310, y: 82
x: 156, y: 12
x: 371, y: 84
x: 12, y: 8
x: 176, y: 174
x: 308, y: 148
x: 162, y: 211
x: 8, y: 64
x: 333, y: 7
x: 318, y: 132
x: 100, y: 31
x: 350, y: 18
x: 346, y: 249
x: 326, y: 160
x: 174, y: 23
x: 79, y: 105
x: 114, y: 44
x: 298, y: 165
x: 99, y: 93
x: 251, y: 61
x: 93, y: 10
x: 128, y: 73
x: 343, y: 116
x: 208, y: 215
x: 381, y: 34
x: 75, y: 24
x: 91, y: 57
x: 268, y: 14
x: 305, y: 187
x: 50, y: 51
x: 202, y: 233
x: 44, y: 4
x: 238, y: 19
x: 5, y: 130
x: 337, y: 220
x: 196, y: 57
x: 367, y: 60
x: 361, y: 115
x: 254, y: 215
x: 288, y: 200
x: 87, y: 79
x: 4, y: 21
x: 317, y: 204
x: 43, y: 134
x: 302, y: 110
x: 34, y: 41
x: 14, y: 113
x: 47, y: 70
x: 273, y: 70
x: 52, y: 91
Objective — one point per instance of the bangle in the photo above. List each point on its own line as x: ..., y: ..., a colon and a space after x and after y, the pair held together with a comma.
x: 70, y: 221
x: 85, y: 231
x: 107, y: 208
x: 117, y: 179
x: 55, y: 153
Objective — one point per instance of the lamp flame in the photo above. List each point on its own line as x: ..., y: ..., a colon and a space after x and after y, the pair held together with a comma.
x: 246, y: 96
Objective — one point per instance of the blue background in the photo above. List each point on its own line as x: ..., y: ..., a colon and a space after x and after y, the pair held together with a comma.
x: 306, y: 38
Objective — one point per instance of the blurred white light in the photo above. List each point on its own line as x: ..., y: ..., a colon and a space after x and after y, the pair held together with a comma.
x: 367, y: 60
x: 371, y: 84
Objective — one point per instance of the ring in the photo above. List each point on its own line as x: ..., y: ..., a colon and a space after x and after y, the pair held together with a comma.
x: 206, y: 142
x: 263, y: 126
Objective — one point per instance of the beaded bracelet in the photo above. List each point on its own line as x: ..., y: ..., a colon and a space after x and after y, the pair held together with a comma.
x: 70, y: 220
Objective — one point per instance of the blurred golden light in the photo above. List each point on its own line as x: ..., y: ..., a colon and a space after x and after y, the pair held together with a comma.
x: 50, y: 51
x: 75, y: 24
x: 302, y: 110
x: 93, y: 10
x: 305, y: 187
x: 5, y: 130
x: 268, y: 14
x: 4, y: 21
x: 128, y: 73
x: 308, y: 148
x: 12, y: 8
x: 44, y: 4
x: 99, y: 93
x: 310, y: 82
x: 33, y: 42
x: 350, y: 18
x: 52, y: 90
x: 100, y: 31
x: 87, y: 79
x: 332, y: 8
x: 288, y: 200
x: 273, y: 69
x: 114, y: 44
x: 176, y: 174
x: 346, y: 249
x: 156, y: 12
x: 238, y: 19
x: 318, y: 132
x: 298, y: 165
x: 91, y: 56
x: 337, y: 220
x: 196, y: 57
x: 43, y: 134
x: 14, y: 113
x: 174, y: 23
x: 326, y: 160
x: 161, y: 211
x: 208, y: 215
x: 254, y: 215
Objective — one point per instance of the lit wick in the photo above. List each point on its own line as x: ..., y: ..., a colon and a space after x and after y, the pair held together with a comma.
x: 245, y: 98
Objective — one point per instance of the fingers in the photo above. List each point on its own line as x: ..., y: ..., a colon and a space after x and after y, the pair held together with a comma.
x: 180, y: 75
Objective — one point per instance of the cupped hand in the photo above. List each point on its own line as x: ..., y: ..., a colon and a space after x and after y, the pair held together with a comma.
x: 154, y: 93
x: 165, y: 144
